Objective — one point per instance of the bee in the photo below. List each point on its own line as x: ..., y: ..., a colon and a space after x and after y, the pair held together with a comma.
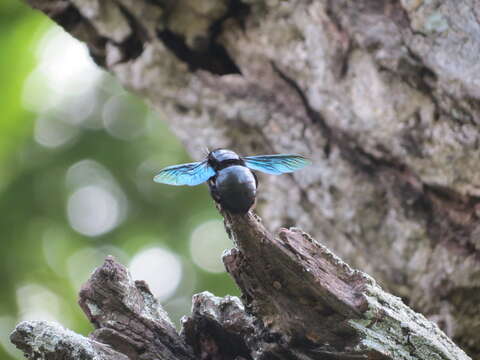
x: 230, y: 178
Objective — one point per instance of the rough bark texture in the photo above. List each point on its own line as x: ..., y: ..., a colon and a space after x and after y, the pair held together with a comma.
x: 300, y: 301
x: 383, y: 95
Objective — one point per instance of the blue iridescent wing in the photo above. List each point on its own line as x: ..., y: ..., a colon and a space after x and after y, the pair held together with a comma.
x: 185, y: 174
x: 276, y: 164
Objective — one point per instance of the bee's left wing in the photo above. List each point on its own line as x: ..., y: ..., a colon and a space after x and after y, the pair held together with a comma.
x: 276, y: 164
x: 190, y: 174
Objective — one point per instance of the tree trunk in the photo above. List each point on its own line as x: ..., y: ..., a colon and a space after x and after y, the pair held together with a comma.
x: 382, y: 95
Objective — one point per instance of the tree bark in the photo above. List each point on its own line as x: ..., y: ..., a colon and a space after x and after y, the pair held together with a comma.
x: 382, y: 95
x: 300, y: 301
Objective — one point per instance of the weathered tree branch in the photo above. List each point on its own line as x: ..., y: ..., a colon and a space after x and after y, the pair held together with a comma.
x: 300, y: 301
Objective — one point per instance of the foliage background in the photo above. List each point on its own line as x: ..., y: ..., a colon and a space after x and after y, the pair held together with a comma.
x: 77, y: 155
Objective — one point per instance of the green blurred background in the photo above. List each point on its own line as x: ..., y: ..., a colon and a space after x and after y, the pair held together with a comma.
x: 77, y: 157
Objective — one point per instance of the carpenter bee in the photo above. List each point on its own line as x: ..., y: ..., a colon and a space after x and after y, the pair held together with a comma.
x: 231, y: 181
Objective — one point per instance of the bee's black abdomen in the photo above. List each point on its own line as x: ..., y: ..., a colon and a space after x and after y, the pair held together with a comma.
x: 234, y: 188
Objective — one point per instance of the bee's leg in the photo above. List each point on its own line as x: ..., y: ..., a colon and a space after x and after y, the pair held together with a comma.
x: 213, y: 189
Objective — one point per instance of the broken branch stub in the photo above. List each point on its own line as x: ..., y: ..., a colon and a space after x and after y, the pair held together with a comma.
x: 312, y: 299
x: 127, y: 316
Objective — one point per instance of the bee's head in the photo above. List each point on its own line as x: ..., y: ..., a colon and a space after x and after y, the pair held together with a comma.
x: 219, y: 157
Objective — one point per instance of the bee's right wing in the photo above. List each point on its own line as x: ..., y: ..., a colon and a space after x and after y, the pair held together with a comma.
x: 276, y: 164
x: 190, y: 174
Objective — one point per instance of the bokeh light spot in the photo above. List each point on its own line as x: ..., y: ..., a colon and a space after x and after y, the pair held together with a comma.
x: 36, y: 302
x: 52, y: 133
x: 160, y: 268
x: 93, y: 210
x: 124, y: 117
x: 60, y: 74
x: 88, y: 172
x: 207, y: 243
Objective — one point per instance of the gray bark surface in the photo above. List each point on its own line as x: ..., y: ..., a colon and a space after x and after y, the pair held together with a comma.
x: 383, y: 95
x: 300, y: 301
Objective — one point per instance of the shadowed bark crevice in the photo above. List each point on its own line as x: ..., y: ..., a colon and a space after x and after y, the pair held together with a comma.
x: 226, y: 334
x: 207, y: 53
x: 67, y: 16
x: 213, y: 57
x: 132, y: 47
